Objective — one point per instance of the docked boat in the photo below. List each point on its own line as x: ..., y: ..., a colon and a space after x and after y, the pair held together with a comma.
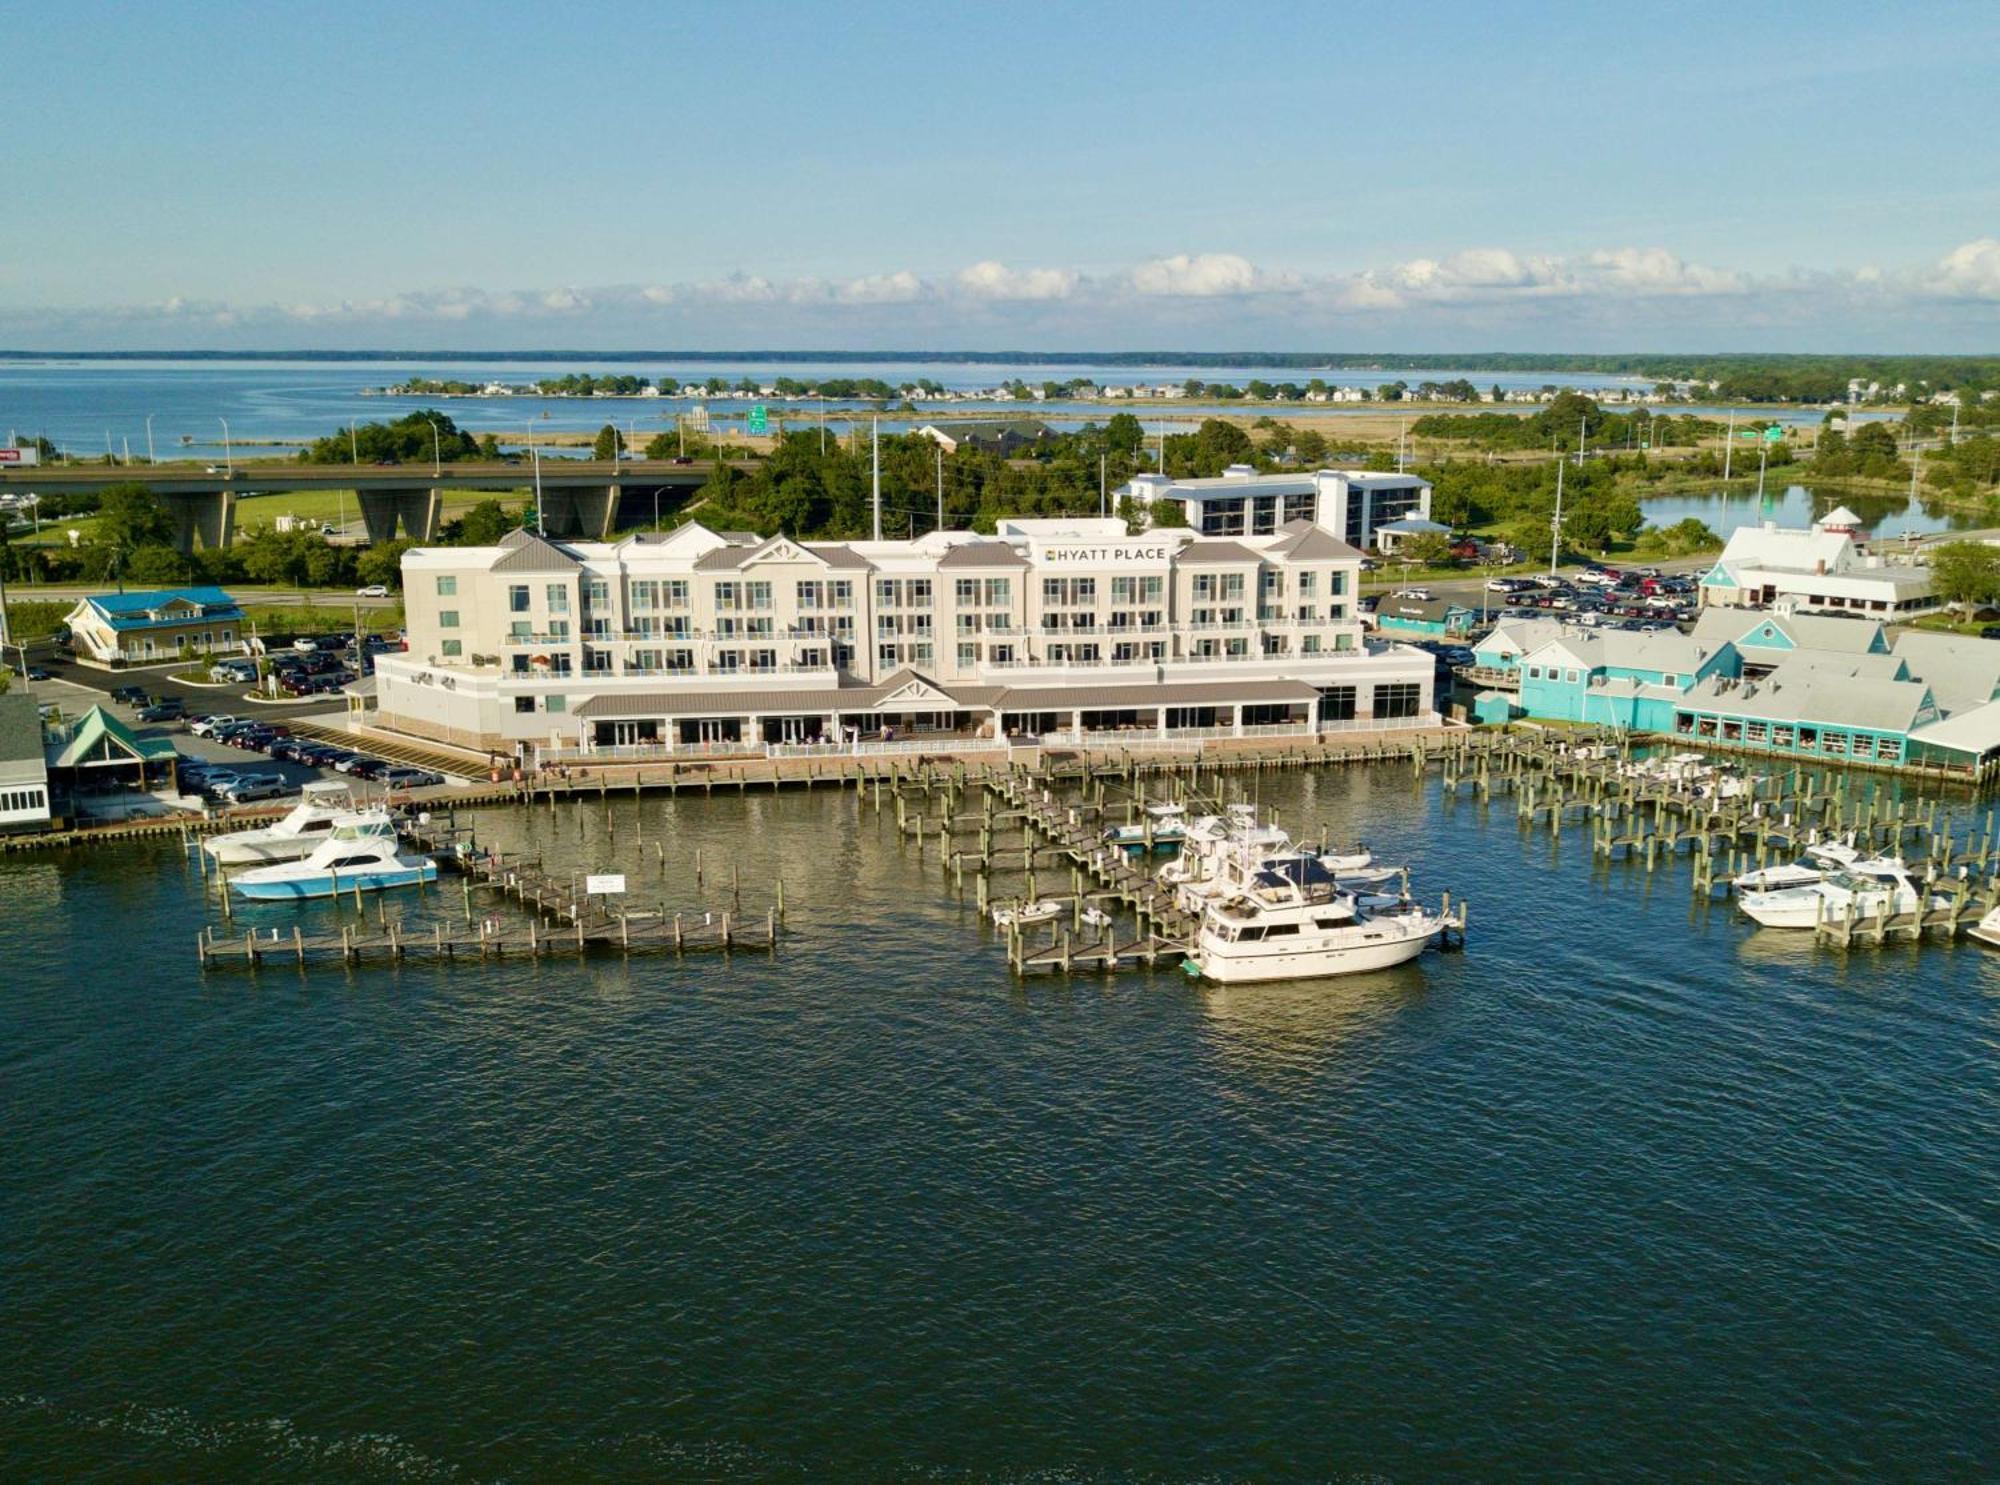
x: 1301, y: 924
x: 1866, y: 889
x: 1987, y: 929
x: 1024, y: 915
x: 1164, y: 828
x: 320, y: 803
x: 1819, y: 859
x: 359, y: 854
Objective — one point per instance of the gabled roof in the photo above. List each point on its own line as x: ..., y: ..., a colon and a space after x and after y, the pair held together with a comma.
x: 526, y: 551
x: 1961, y: 671
x: 138, y: 610
x: 1308, y: 541
x: 1216, y: 551
x: 1808, y: 696
x: 982, y: 554
x: 1424, y: 610
x: 1975, y: 730
x: 20, y: 729
x: 100, y: 737
x: 839, y: 556
x: 1745, y: 629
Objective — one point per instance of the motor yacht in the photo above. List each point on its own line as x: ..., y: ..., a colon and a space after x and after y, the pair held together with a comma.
x: 320, y: 803
x: 1819, y: 859
x: 360, y: 853
x: 1864, y: 890
x: 1296, y: 922
x: 1163, y: 829
x: 1987, y: 929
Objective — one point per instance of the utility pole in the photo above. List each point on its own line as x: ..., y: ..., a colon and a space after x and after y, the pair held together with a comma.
x: 535, y: 452
x: 875, y: 462
x: 1582, y: 438
x: 1763, y: 454
x: 1729, y: 444
x: 940, y: 470
x: 1556, y: 526
x: 1102, y: 508
x: 149, y: 438
x: 820, y: 398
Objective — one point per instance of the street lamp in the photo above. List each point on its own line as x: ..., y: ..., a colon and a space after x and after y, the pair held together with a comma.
x: 149, y: 438
x: 437, y: 449
x: 228, y: 458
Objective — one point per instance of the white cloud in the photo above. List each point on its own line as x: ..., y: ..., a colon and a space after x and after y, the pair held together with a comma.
x: 1969, y: 271
x: 993, y: 280
x: 1197, y: 276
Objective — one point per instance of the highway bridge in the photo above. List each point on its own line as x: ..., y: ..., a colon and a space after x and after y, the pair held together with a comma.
x: 585, y: 498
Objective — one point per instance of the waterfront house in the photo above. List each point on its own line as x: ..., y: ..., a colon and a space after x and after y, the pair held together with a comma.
x: 97, y: 758
x: 1616, y: 677
x: 1764, y: 639
x: 1498, y: 653
x: 1392, y: 534
x: 1068, y: 628
x: 24, y: 772
x: 117, y: 629
x: 1006, y: 438
x: 1430, y: 618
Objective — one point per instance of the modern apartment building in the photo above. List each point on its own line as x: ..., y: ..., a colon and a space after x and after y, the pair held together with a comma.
x: 1352, y: 504
x: 699, y: 639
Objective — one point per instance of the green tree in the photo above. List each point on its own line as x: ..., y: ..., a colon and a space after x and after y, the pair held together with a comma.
x: 383, y: 563
x: 1966, y: 572
x: 1426, y: 549
x: 1124, y: 434
x: 129, y: 516
x: 485, y: 524
x: 607, y: 443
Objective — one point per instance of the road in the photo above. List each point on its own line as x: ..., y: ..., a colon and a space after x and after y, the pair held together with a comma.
x: 334, y: 598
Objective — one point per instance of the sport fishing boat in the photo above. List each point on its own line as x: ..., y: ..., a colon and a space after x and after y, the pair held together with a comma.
x: 1820, y: 858
x: 320, y: 803
x: 1298, y: 923
x: 1042, y: 910
x: 1164, y: 828
x: 1867, y: 889
x: 360, y: 854
x: 1987, y: 929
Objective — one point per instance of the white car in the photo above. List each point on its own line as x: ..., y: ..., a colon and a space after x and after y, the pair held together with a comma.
x: 1419, y: 595
x: 209, y: 724
x: 373, y: 590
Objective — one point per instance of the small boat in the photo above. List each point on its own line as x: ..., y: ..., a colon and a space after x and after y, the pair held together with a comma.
x: 1043, y: 910
x: 1987, y: 929
x: 1096, y: 917
x: 1165, y: 826
x: 1820, y: 860
x: 320, y: 803
x: 360, y: 854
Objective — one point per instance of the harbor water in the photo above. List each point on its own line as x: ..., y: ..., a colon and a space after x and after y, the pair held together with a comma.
x: 1627, y: 1190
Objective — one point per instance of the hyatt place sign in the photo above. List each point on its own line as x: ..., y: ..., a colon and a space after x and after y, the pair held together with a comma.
x: 1105, y: 554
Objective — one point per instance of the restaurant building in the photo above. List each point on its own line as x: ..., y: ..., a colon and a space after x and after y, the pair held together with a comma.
x: 1072, y: 629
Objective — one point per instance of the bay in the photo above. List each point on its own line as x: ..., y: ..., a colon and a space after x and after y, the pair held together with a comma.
x: 1628, y: 1189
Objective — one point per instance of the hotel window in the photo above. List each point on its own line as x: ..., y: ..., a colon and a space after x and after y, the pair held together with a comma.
x: 520, y: 629
x: 555, y: 703
x: 597, y: 662
x: 645, y: 593
x: 1308, y: 614
x: 726, y: 597
x: 558, y: 598
x: 1401, y: 699
x: 1000, y: 655
x: 968, y: 655
x: 812, y: 659
x: 885, y: 656
x: 999, y: 592
x: 597, y: 594
x: 758, y: 628
x: 675, y: 592
x: 680, y: 660
x: 1271, y: 583
x: 559, y: 630
x: 728, y: 660
x: 447, y: 587
x: 966, y: 592
x: 524, y: 703
x: 920, y: 655
x: 1307, y: 582
x: 559, y: 665
x: 1309, y: 644
x: 764, y: 660
x: 757, y: 595
x: 1236, y: 649
x: 645, y: 661
x: 447, y: 618
x: 969, y: 623
x: 451, y: 647
x: 517, y: 598
x: 520, y: 665
x: 1069, y: 592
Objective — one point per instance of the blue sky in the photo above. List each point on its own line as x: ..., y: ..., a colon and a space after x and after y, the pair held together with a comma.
x: 1285, y: 176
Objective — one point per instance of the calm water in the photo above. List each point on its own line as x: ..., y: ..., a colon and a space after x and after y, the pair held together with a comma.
x: 88, y: 407
x: 1799, y: 506
x: 1628, y: 1190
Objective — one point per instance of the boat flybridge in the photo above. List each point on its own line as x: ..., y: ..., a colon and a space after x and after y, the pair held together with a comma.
x: 1820, y: 860
x: 1865, y: 889
x: 321, y: 802
x: 359, y: 854
x: 1295, y: 921
x: 1222, y: 855
x: 1164, y: 828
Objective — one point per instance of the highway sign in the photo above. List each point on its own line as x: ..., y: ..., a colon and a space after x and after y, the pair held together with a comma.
x: 1749, y: 434
x: 1774, y: 434
x: 760, y: 418
x: 20, y: 456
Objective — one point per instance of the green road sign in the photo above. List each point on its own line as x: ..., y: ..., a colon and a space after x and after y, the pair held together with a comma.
x: 760, y: 418
x: 1748, y: 433
x: 1774, y: 434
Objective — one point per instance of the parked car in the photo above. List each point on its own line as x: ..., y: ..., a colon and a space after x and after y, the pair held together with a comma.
x: 1991, y: 631
x: 1420, y: 595
x: 256, y: 786
x: 36, y: 673
x: 373, y: 590
x: 135, y: 695
x: 166, y: 709
x: 207, y: 726
x: 354, y: 762
x: 216, y: 784
x: 400, y: 777
x: 369, y: 768
x: 226, y: 671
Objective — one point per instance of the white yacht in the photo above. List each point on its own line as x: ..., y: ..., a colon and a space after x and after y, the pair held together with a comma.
x: 1164, y: 828
x: 1987, y: 929
x: 1820, y: 858
x: 320, y: 803
x: 1864, y: 890
x: 1026, y: 914
x: 1298, y: 923
x: 360, y: 853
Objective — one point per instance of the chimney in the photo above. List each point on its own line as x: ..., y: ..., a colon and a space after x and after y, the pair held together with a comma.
x: 1819, y: 567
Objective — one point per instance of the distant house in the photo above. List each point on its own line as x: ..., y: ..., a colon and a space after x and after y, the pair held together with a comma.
x: 141, y: 628
x: 1004, y: 438
x: 1433, y: 618
x: 97, y: 761
x: 24, y: 772
x: 1392, y: 534
x: 1822, y: 568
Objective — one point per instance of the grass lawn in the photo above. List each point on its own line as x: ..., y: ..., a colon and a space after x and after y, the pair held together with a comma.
x: 253, y: 511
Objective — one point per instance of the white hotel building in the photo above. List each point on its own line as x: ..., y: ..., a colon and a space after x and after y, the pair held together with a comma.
x: 699, y: 640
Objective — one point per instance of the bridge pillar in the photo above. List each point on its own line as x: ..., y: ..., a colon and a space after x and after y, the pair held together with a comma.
x: 206, y: 516
x: 417, y: 509
x: 587, y: 514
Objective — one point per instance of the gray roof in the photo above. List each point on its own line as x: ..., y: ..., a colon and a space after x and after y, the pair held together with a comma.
x: 527, y: 552
x: 1216, y: 551
x: 1425, y: 610
x: 1744, y: 629
x: 833, y: 554
x: 21, y: 731
x: 1811, y: 696
x: 1307, y: 541
x: 723, y: 559
x: 1961, y: 671
x: 983, y: 554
